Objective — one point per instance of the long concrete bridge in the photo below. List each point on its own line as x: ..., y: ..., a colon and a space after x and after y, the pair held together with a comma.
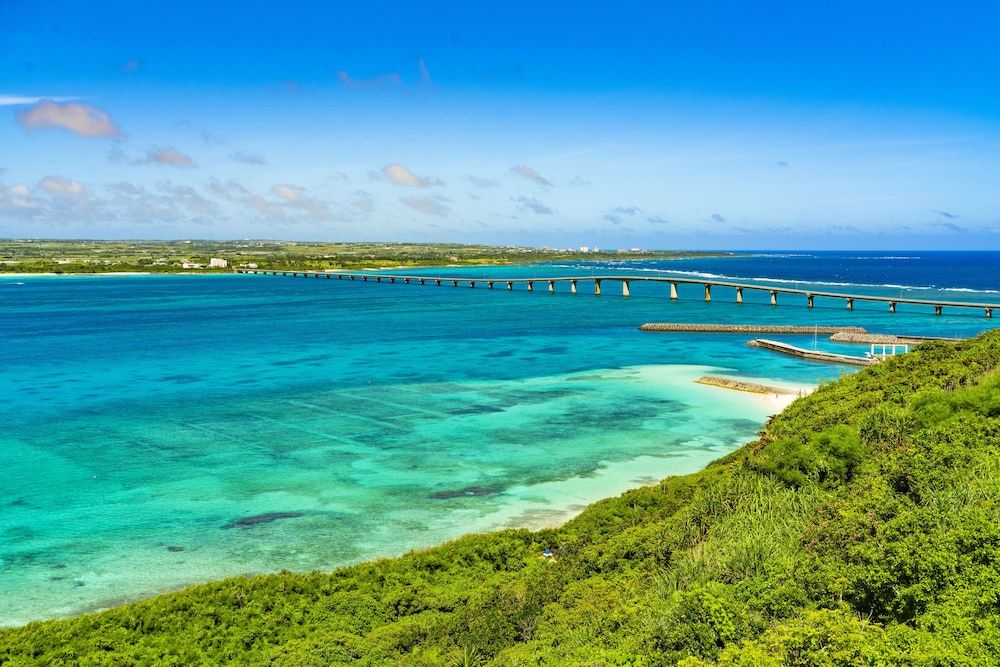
x: 626, y: 281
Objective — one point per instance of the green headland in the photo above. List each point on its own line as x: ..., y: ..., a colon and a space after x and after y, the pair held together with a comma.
x: 859, y: 529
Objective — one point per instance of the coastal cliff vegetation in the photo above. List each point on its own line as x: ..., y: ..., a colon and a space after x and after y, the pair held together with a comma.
x: 859, y: 529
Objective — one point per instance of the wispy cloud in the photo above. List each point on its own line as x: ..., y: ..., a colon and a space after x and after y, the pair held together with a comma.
x: 425, y: 74
x: 288, y: 192
x: 657, y: 220
x: 952, y: 227
x: 781, y: 163
x: 247, y: 158
x: 532, y: 204
x: 626, y: 210
x: 131, y: 66
x: 228, y: 190
x: 75, y: 117
x: 386, y: 80
x: 527, y: 172
x: 363, y: 201
x: 715, y: 217
x: 23, y: 100
x: 378, y: 81
x: 947, y: 215
x: 425, y: 205
x: 579, y: 182
x: 398, y: 174
x: 483, y: 183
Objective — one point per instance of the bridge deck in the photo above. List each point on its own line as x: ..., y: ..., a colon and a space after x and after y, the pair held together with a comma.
x: 626, y: 279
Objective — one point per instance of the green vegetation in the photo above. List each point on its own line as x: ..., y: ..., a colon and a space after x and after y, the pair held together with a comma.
x: 860, y: 529
x: 40, y: 256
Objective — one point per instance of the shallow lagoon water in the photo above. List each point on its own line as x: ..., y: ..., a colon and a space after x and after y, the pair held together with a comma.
x: 164, y: 430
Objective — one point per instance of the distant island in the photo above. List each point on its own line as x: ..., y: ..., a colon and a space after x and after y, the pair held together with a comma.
x: 83, y: 256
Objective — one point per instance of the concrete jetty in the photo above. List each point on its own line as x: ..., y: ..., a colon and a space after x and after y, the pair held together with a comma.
x: 811, y: 355
x: 626, y: 281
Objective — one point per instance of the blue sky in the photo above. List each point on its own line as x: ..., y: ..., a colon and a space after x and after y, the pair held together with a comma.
x: 660, y: 125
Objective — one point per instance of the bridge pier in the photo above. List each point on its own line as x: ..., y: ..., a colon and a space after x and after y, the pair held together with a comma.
x: 597, y: 287
x: 454, y: 283
x: 739, y: 295
x: 708, y: 292
x: 531, y: 286
x: 572, y: 287
x: 489, y: 283
x: 892, y: 306
x: 406, y: 281
x: 552, y: 287
x: 510, y: 285
x: 774, y: 298
x: 673, y: 291
x: 989, y: 313
x: 937, y: 310
x: 809, y: 300
x: 421, y: 281
x: 378, y: 279
x: 625, y: 290
x: 472, y: 284
x: 850, y: 304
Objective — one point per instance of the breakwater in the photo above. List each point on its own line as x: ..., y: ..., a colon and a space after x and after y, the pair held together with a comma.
x: 743, y: 385
x: 884, y: 339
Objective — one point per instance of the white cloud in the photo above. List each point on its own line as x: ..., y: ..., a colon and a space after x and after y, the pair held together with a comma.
x: 400, y: 175
x: 74, y: 117
x: 168, y: 156
x: 59, y: 186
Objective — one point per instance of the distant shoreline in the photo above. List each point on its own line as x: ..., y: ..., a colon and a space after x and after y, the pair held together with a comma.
x: 231, y: 270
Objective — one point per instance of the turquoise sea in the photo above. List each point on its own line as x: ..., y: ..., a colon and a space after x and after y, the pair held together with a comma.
x: 157, y: 431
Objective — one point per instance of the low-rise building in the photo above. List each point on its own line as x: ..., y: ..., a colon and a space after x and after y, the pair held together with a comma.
x: 217, y: 263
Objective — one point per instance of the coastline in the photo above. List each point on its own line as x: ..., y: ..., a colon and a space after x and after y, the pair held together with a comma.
x: 532, y: 506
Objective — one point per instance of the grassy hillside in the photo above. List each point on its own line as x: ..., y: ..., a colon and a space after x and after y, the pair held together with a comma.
x: 863, y: 527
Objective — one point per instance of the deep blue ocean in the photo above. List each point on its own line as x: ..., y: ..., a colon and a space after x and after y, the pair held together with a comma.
x: 164, y: 430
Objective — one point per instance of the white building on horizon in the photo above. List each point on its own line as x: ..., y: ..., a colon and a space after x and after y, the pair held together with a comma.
x: 217, y: 263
